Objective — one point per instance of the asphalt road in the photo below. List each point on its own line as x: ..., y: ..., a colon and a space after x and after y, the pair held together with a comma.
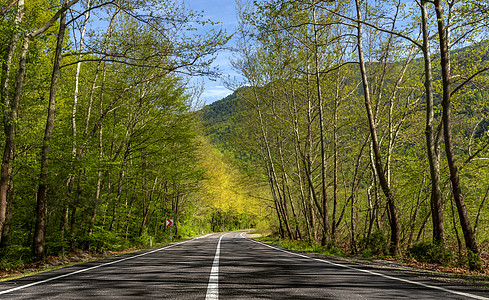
x: 228, y: 266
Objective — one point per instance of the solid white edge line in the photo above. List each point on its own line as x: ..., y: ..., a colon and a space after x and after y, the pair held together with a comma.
x: 213, y: 286
x: 94, y: 267
x: 376, y: 274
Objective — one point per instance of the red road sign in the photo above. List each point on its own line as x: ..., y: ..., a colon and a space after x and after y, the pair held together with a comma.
x: 169, y: 222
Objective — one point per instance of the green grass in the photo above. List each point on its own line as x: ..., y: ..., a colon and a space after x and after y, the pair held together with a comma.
x: 303, y: 246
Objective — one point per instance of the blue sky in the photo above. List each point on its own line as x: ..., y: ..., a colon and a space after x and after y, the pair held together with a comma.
x: 218, y: 11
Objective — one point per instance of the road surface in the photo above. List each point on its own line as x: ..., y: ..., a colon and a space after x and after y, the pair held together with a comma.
x: 228, y: 266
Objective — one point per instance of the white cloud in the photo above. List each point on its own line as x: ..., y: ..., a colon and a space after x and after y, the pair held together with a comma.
x: 215, y: 93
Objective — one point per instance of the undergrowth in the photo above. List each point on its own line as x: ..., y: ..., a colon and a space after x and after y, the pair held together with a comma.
x: 431, y: 253
x: 423, y: 255
x: 303, y: 246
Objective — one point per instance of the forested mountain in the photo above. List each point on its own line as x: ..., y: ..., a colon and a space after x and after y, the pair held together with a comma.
x: 220, y: 119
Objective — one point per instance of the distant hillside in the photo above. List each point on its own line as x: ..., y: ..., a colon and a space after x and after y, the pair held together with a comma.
x: 219, y: 120
x: 221, y: 123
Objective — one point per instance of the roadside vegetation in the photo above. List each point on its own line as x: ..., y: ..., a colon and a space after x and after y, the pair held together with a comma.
x: 368, y: 121
x: 101, y: 142
x: 426, y: 261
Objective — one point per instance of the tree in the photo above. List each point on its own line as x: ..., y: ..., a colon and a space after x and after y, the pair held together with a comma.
x: 432, y: 138
x: 146, y: 48
x: 447, y: 134
x: 393, y: 216
x: 10, y: 116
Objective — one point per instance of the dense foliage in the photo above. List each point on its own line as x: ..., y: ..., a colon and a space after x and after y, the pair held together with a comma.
x: 370, y: 120
x: 101, y: 143
x: 220, y: 119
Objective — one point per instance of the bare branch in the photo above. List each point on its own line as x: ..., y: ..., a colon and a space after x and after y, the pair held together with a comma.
x: 468, y: 80
x: 50, y: 23
x: 4, y: 11
x: 374, y: 27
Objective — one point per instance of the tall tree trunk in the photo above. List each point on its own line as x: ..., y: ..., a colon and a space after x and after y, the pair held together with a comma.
x: 8, y: 222
x: 319, y: 95
x: 469, y: 236
x: 414, y: 213
x: 288, y: 196
x: 9, y: 118
x: 175, y: 207
x: 146, y: 208
x: 308, y: 162
x: 117, y: 198
x: 77, y: 81
x: 299, y: 171
x: 393, y: 216
x: 432, y: 140
x: 335, y: 156
x: 74, y: 152
x: 479, y: 212
x: 64, y: 225
x: 42, y: 193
